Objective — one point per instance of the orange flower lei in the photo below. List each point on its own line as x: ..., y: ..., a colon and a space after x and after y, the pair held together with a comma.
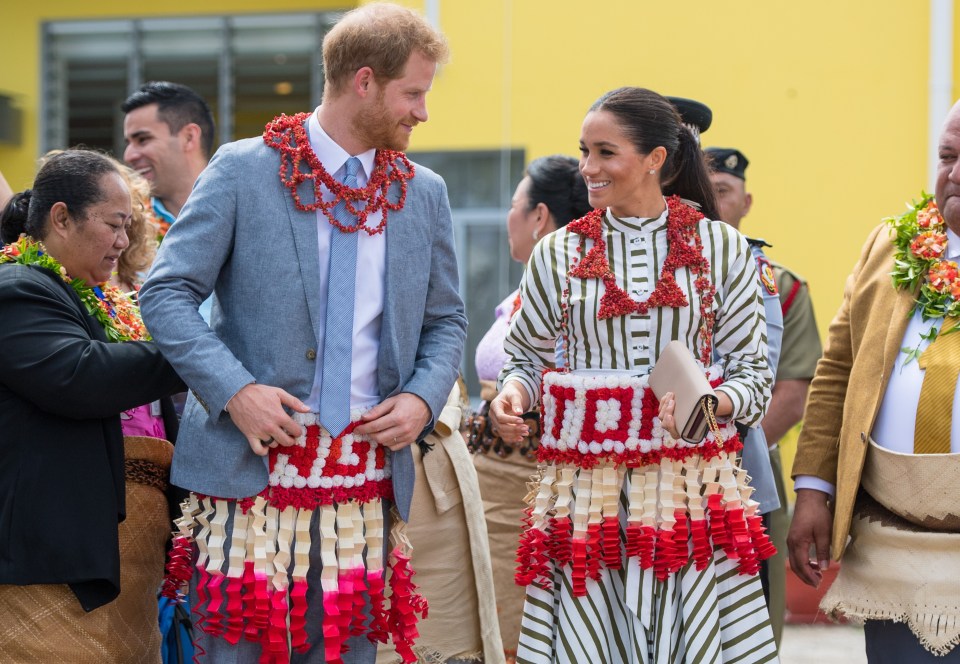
x: 288, y: 135
x: 685, y: 249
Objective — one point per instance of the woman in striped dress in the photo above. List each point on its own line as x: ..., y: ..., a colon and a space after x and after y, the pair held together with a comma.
x: 639, y: 547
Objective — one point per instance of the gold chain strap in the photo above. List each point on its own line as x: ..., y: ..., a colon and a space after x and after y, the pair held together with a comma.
x: 707, y: 406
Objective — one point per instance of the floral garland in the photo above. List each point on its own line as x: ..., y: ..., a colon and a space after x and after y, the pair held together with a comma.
x: 685, y: 249
x: 288, y: 135
x: 114, y: 310
x: 920, y: 238
x: 921, y: 242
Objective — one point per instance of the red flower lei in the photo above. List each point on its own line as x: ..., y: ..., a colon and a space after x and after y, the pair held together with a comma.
x: 684, y: 250
x: 288, y: 135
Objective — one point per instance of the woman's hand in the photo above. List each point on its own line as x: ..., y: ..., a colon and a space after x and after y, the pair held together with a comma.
x: 667, y: 405
x: 505, y: 411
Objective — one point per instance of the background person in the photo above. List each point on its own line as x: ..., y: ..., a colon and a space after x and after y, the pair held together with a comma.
x: 169, y: 133
x: 75, y: 588
x: 878, y: 459
x: 599, y: 591
x: 450, y: 550
x: 799, y: 352
x: 290, y: 266
x: 551, y: 194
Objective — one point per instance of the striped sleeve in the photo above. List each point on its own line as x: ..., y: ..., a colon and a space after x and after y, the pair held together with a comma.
x: 531, y: 341
x: 740, y: 329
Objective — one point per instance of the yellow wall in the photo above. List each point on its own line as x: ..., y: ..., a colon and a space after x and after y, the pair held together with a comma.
x: 827, y: 99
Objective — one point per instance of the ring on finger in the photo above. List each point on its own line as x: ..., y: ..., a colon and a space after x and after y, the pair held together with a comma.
x: 268, y: 441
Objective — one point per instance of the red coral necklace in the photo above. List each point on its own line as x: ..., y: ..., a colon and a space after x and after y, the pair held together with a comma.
x: 288, y: 135
x: 685, y: 249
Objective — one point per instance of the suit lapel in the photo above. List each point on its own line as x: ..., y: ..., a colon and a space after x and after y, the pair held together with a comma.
x: 388, y: 357
x: 900, y: 313
x: 303, y: 225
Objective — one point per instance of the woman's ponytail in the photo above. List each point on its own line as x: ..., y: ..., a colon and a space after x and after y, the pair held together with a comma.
x: 690, y: 178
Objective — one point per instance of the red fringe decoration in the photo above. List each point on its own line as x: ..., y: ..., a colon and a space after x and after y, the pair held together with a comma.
x: 332, y: 640
x: 405, y: 604
x: 379, y: 622
x: 610, y: 530
x: 702, y: 551
x: 665, y: 551
x: 594, y: 551
x: 298, y: 617
x: 274, y: 643
x: 234, y: 610
x: 765, y: 548
x: 179, y: 568
x: 533, y: 563
x: 214, y: 614
x: 558, y: 547
x: 579, y: 566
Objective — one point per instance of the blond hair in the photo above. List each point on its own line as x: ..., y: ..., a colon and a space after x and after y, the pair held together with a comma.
x: 139, y: 254
x: 381, y: 36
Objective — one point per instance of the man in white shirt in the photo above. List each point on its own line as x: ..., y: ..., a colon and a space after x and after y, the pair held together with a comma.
x: 879, y: 455
x: 335, y: 338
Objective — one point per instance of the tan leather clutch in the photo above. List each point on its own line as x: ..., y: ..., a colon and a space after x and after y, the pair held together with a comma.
x: 676, y: 371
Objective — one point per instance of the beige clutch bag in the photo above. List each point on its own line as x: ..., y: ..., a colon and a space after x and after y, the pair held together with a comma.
x: 676, y: 371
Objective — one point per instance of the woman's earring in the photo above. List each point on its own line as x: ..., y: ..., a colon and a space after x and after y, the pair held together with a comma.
x: 652, y: 171
x: 536, y: 235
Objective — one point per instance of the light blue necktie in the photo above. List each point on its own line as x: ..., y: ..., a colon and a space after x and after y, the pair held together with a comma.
x: 338, y: 326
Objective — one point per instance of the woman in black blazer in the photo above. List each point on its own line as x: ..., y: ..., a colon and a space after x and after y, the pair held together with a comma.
x: 70, y: 363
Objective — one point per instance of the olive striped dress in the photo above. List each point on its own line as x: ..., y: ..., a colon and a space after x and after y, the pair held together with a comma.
x: 628, y: 615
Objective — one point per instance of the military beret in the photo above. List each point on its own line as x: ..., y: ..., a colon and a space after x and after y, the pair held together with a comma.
x: 695, y: 115
x: 728, y: 160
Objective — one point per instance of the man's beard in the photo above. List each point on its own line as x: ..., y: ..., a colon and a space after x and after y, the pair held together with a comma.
x: 376, y: 128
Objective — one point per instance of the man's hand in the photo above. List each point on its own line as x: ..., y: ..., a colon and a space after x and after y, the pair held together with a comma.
x: 397, y: 421
x: 257, y: 410
x: 506, y: 410
x: 812, y: 524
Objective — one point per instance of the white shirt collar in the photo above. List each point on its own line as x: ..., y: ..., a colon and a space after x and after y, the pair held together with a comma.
x: 953, y: 246
x: 331, y: 155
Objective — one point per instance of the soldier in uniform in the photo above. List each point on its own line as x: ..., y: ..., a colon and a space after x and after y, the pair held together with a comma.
x: 799, y: 352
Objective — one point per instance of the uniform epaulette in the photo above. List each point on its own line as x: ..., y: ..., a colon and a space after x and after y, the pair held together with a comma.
x: 758, y: 242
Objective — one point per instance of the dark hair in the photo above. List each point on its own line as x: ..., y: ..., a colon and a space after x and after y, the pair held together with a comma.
x: 556, y: 182
x: 177, y: 106
x: 71, y: 177
x: 650, y: 121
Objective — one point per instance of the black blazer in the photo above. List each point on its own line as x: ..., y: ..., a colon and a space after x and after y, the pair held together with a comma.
x: 62, y: 388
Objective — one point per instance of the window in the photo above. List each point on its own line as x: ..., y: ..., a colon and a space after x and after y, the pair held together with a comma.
x: 248, y: 68
x: 480, y: 186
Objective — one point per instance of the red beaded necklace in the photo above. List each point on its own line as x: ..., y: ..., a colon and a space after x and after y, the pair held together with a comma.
x: 288, y: 135
x: 684, y: 250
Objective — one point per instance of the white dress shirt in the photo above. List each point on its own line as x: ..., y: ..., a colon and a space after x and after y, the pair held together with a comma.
x: 897, y: 417
x: 370, y: 275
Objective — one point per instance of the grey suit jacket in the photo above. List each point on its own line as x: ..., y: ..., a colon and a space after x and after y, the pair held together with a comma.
x: 241, y: 238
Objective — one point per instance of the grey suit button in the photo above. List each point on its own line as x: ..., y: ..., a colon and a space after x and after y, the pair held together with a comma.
x: 863, y: 436
x: 311, y: 354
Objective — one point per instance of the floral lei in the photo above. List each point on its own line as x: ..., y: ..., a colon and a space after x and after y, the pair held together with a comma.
x: 288, y: 135
x: 684, y: 250
x: 920, y: 238
x: 114, y: 310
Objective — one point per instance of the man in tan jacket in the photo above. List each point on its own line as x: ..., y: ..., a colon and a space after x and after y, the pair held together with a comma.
x: 860, y: 469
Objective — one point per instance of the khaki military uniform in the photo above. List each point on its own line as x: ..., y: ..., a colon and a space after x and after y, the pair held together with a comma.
x: 799, y: 352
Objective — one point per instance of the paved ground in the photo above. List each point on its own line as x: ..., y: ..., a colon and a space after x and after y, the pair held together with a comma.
x: 822, y: 644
